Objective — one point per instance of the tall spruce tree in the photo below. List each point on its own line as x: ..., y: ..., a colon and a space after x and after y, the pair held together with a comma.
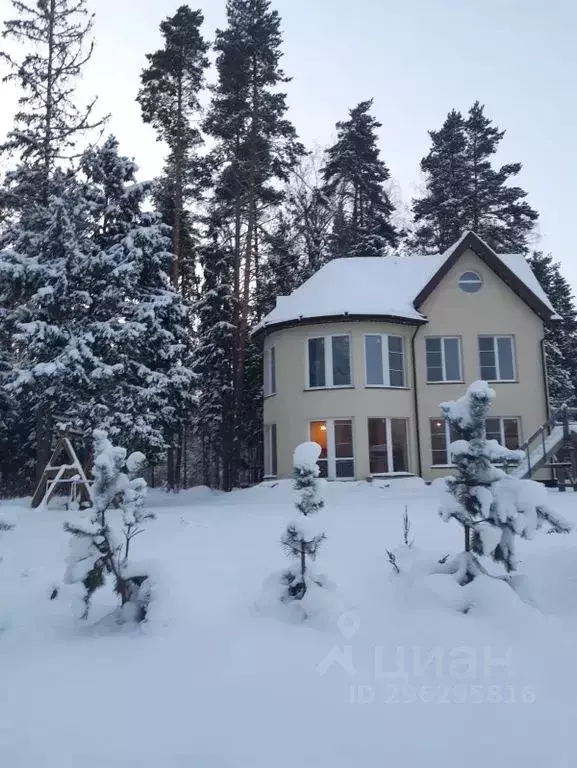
x: 47, y: 128
x: 213, y: 356
x: 148, y: 336
x: 169, y: 98
x: 560, y: 337
x: 48, y: 124
x: 464, y: 190
x: 354, y: 178
x: 255, y: 146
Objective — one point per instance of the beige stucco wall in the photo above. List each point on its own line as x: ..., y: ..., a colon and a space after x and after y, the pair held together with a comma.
x: 293, y: 407
x: 495, y: 309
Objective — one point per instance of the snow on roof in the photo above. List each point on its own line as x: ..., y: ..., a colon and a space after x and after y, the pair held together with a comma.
x: 517, y: 263
x: 377, y: 286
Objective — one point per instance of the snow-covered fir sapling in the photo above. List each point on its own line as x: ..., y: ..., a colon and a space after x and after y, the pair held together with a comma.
x: 492, y: 506
x: 98, y: 549
x: 303, y: 537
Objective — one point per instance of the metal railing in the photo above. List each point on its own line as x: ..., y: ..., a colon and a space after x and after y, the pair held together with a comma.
x: 563, y: 417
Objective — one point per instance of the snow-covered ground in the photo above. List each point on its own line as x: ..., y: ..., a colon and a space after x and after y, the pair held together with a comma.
x: 393, y: 674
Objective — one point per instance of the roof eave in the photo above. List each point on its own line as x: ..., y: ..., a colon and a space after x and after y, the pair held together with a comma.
x: 295, y: 322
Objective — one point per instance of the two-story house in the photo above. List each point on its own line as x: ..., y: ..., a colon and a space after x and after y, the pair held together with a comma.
x: 360, y: 356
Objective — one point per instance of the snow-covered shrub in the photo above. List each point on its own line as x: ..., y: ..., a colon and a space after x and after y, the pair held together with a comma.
x: 303, y: 536
x: 4, y: 526
x: 492, y: 506
x: 97, y: 548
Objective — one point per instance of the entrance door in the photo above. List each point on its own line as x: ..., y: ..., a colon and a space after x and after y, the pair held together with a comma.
x: 335, y: 437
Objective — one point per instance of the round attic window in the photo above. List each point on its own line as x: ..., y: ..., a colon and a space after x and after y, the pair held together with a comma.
x: 470, y: 282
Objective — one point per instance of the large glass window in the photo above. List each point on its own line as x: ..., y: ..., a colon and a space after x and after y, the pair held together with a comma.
x: 318, y: 434
x: 442, y: 435
x: 270, y: 450
x: 329, y: 361
x: 388, y: 446
x: 443, y: 357
x: 335, y: 437
x: 269, y: 371
x: 384, y: 360
x: 497, y: 358
x: 317, y: 362
x: 505, y: 431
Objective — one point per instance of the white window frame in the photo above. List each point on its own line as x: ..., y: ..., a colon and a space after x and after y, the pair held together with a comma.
x: 269, y: 383
x: 478, y: 282
x: 270, y: 430
x: 448, y: 441
x: 328, y: 363
x: 331, y: 445
x: 445, y: 380
x: 495, y: 338
x: 389, y: 438
x: 385, y: 361
x: 501, y: 420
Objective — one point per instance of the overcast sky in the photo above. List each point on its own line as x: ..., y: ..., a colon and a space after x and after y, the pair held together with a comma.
x: 416, y: 58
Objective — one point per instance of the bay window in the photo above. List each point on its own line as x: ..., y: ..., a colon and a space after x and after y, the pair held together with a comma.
x: 335, y: 438
x: 329, y: 361
x: 384, y: 360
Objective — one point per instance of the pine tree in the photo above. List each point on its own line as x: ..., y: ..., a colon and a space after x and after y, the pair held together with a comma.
x: 441, y: 214
x: 560, y: 337
x: 354, y: 177
x: 169, y: 98
x: 464, y: 190
x: 303, y: 538
x: 255, y: 146
x: 97, y: 549
x: 486, y: 500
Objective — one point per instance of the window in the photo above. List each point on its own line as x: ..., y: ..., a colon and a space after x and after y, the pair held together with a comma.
x: 497, y: 358
x: 329, y: 361
x: 269, y: 372
x: 443, y: 357
x: 270, y: 450
x: 505, y: 431
x: 384, y: 360
x: 388, y: 446
x: 335, y: 437
x: 470, y: 282
x: 442, y: 435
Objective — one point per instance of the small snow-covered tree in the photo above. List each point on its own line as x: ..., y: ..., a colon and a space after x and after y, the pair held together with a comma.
x: 303, y: 537
x: 492, y: 506
x: 97, y: 550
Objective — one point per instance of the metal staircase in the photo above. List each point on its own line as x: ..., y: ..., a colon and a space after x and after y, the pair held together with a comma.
x: 553, y: 446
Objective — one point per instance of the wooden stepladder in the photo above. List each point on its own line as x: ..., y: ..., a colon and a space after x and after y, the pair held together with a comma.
x: 63, y: 471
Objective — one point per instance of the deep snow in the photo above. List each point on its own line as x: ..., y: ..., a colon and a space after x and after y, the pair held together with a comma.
x: 210, y: 682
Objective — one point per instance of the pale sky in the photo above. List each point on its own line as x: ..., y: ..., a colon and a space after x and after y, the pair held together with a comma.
x: 416, y: 58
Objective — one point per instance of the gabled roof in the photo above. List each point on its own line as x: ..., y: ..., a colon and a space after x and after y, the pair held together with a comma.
x: 395, y: 287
